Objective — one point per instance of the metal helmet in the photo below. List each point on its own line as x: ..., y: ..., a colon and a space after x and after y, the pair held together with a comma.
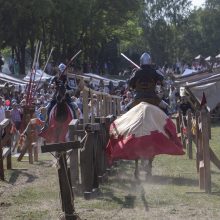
x: 145, y: 59
x: 62, y: 67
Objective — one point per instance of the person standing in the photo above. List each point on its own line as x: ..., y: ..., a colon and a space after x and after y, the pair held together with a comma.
x: 16, y: 116
x: 2, y: 109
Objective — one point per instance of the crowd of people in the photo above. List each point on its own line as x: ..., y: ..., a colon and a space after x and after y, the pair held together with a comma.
x: 161, y: 89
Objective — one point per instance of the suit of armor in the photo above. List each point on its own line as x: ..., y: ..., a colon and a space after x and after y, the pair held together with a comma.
x: 143, y: 82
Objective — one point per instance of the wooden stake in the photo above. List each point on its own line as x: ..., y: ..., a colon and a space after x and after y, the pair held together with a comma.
x: 206, y: 153
x: 189, y: 134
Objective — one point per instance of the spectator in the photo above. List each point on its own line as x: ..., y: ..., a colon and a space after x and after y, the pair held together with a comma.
x: 185, y: 105
x: 16, y: 116
x: 2, y: 109
x: 172, y: 99
x: 79, y: 101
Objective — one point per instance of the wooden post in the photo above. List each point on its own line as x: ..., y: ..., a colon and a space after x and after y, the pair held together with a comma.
x: 101, y: 144
x: 98, y: 105
x: 114, y: 104
x: 66, y: 192
x: 5, y: 127
x: 104, y: 105
x: 88, y: 161
x: 64, y: 179
x: 92, y: 109
x: 74, y: 159
x: 110, y: 106
x: 2, y: 176
x: 35, y: 153
x: 206, y: 153
x: 182, y: 127
x: 198, y: 140
x: 189, y: 134
x: 200, y: 161
x: 30, y: 148
x: 85, y: 106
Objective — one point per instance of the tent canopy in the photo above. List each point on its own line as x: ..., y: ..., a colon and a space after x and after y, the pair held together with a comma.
x: 96, y: 79
x: 11, y: 79
x: 198, y: 57
x: 208, y: 58
x: 39, y: 75
x: 189, y: 72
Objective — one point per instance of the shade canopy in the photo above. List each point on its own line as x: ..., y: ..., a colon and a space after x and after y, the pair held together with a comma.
x: 208, y: 58
x: 198, y: 57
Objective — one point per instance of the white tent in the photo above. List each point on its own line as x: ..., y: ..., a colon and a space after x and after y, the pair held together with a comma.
x: 198, y: 57
x: 188, y: 72
x: 211, y: 92
x: 96, y: 79
x: 39, y: 75
x: 11, y: 79
x: 218, y: 56
x: 208, y: 58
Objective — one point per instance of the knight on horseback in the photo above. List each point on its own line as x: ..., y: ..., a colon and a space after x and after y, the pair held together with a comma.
x: 60, y: 81
x: 61, y: 104
x: 143, y: 82
x: 144, y: 131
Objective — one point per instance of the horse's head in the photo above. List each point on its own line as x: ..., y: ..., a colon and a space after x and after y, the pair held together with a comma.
x: 61, y: 93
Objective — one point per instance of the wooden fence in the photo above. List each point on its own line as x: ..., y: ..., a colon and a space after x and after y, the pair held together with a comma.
x: 5, y: 146
x: 196, y: 128
x: 88, y: 165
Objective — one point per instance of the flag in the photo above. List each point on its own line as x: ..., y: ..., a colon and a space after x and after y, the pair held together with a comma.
x: 143, y: 132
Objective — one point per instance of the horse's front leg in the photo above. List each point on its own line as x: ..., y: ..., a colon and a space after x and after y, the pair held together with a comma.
x: 148, y: 168
x: 136, y: 171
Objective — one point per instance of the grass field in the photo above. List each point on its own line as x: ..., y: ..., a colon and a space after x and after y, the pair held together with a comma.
x: 32, y: 192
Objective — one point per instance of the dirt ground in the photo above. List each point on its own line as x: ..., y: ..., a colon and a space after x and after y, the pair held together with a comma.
x: 172, y: 193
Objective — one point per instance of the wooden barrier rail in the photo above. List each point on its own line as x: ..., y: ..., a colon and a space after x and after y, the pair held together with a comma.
x: 30, y: 142
x: 197, y: 128
x: 5, y: 146
x: 88, y: 166
x: 101, y: 106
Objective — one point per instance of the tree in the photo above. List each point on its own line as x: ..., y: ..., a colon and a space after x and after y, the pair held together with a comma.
x: 162, y: 22
x: 20, y: 25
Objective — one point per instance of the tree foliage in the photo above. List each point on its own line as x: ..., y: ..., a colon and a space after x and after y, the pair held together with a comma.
x: 170, y: 30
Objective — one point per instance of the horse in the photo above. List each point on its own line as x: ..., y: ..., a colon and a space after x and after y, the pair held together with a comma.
x: 60, y: 113
x: 142, y: 133
x: 146, y: 166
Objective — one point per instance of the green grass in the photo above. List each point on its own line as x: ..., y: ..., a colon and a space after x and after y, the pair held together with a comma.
x: 32, y: 191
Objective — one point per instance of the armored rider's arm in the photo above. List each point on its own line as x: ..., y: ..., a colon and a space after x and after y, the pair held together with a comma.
x: 132, y: 80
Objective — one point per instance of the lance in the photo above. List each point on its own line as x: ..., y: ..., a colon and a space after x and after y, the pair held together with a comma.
x: 130, y: 60
x: 158, y: 71
x: 31, y: 75
x: 48, y: 58
x: 51, y: 51
x: 71, y: 60
x: 37, y: 60
x: 32, y: 91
